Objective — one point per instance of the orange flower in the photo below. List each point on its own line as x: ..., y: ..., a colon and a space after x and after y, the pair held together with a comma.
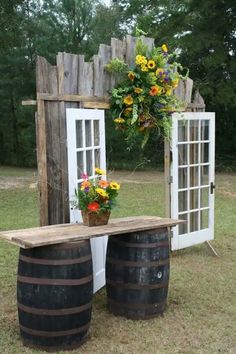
x: 155, y: 91
x: 85, y: 184
x: 103, y: 184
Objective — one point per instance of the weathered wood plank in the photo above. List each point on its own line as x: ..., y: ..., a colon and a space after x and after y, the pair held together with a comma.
x: 36, y: 237
x: 68, y: 71
x: 130, y: 50
x: 184, y: 90
x: 29, y: 103
x: 96, y: 105
x: 105, y: 56
x: 97, y: 76
x: 118, y: 50
x: 70, y: 98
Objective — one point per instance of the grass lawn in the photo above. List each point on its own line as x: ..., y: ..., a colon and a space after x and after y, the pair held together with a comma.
x: 201, y: 312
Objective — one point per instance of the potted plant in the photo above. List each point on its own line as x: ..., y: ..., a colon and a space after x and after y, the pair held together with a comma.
x: 95, y: 198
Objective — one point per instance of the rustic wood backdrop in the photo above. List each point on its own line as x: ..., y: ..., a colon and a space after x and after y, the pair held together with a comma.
x: 74, y: 83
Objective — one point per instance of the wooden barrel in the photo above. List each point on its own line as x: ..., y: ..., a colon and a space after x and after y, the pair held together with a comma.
x: 54, y: 294
x: 137, y: 273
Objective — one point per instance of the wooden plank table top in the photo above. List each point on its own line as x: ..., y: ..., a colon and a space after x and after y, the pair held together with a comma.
x: 54, y: 234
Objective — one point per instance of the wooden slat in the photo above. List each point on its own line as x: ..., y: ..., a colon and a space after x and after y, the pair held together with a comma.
x: 70, y: 97
x: 43, y: 236
x: 42, y: 162
x: 29, y: 103
x: 105, y: 56
x: 96, y: 105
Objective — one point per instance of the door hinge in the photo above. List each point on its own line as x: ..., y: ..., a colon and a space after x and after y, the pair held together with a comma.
x: 212, y: 187
x: 170, y: 179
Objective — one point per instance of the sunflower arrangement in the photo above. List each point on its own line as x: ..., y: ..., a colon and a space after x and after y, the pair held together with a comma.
x: 144, y: 98
x: 96, y: 195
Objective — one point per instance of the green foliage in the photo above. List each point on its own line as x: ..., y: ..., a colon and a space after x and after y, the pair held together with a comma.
x: 117, y: 66
x: 144, y: 99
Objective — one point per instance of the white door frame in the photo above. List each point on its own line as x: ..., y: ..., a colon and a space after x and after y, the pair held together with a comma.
x: 98, y: 245
x: 189, y: 238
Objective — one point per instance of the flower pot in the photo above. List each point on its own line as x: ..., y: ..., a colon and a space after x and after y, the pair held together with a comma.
x: 95, y: 219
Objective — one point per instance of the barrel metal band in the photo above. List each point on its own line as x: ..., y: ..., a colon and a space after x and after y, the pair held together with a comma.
x: 137, y: 286
x: 139, y: 306
x: 57, y: 312
x: 141, y: 245
x: 35, y: 332
x: 46, y: 281
x: 55, y: 261
x: 137, y: 263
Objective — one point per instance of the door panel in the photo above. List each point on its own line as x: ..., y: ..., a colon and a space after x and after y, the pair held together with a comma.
x: 193, y: 145
x: 86, y: 150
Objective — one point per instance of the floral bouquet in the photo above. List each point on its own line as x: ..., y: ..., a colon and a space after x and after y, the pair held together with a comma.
x: 144, y: 97
x: 95, y: 198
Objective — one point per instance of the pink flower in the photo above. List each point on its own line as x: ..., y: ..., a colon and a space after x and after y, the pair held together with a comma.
x: 84, y: 176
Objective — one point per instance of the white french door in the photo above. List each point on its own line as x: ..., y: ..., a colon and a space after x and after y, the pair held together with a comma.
x: 86, y: 150
x: 193, y: 178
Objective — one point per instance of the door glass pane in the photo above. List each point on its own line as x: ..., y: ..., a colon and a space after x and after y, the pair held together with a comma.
x: 79, y: 134
x: 183, y: 228
x: 194, y: 176
x: 193, y: 221
x: 193, y: 153
x: 183, y: 201
x: 182, y: 130
x: 183, y: 180
x: 96, y: 132
x: 80, y: 164
x: 183, y: 154
x: 89, y: 162
x: 193, y: 130
x: 204, y: 192
x: 88, y: 133
x: 204, y: 175
x: 194, y: 199
x: 204, y: 219
x: 205, y: 130
x: 205, y: 152
x: 97, y: 158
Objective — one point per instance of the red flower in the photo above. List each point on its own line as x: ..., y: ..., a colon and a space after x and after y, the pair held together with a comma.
x: 94, y: 206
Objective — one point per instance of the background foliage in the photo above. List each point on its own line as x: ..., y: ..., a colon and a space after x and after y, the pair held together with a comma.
x: 203, y: 31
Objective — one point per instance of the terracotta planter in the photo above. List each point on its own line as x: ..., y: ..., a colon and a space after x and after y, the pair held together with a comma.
x: 95, y: 219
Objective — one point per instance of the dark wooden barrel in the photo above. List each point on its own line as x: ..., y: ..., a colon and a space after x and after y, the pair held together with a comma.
x: 54, y: 294
x: 137, y: 273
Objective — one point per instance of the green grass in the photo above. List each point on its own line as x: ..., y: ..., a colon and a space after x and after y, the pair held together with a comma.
x: 200, y: 317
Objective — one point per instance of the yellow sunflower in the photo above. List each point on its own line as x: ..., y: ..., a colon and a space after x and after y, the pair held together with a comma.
x: 164, y: 48
x: 131, y: 75
x: 138, y: 90
x: 151, y: 64
x: 114, y: 185
x: 98, y: 171
x: 119, y: 120
x: 144, y: 67
x: 101, y: 192
x: 128, y: 100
